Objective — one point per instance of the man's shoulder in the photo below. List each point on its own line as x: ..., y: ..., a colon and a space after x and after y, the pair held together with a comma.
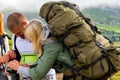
x: 18, y: 38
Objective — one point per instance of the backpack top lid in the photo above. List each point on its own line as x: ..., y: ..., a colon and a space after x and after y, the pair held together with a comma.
x: 45, y: 8
x: 1, y: 25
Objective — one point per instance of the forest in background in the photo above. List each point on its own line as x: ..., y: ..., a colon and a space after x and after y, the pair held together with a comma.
x: 107, y: 19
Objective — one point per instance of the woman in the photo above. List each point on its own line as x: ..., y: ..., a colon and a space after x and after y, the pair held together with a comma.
x: 49, y: 49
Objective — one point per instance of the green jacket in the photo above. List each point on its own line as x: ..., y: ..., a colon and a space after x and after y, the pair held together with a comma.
x: 51, y: 53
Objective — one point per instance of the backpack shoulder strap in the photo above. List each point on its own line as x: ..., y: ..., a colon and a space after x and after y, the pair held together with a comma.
x: 77, y: 10
x: 2, y: 43
x: 87, y: 20
x: 16, y: 50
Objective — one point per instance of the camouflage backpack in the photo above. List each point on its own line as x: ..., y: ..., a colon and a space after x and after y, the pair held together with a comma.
x: 94, y: 56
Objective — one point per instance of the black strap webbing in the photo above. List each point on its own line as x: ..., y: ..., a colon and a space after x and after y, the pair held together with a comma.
x: 76, y: 44
x: 76, y: 9
x: 2, y: 42
x: 93, y: 27
x: 18, y: 57
x: 87, y: 20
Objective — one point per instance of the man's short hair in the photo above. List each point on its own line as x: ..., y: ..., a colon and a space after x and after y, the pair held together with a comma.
x: 15, y: 19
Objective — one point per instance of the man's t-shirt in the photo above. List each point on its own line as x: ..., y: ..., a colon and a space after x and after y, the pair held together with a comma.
x: 23, y: 46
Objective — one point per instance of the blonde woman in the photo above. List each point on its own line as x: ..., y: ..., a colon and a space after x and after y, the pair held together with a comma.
x: 50, y: 51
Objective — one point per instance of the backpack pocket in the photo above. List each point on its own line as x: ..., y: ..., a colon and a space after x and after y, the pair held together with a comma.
x: 114, y: 56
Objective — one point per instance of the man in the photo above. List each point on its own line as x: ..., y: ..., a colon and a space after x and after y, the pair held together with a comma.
x: 17, y: 23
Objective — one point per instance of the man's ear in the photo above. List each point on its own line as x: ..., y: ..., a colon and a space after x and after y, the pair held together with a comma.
x: 24, y: 24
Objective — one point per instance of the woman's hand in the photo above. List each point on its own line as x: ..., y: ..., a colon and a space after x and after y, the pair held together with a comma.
x: 14, y: 64
x: 25, y: 65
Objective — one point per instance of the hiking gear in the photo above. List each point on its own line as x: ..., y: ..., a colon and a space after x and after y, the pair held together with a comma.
x: 18, y: 57
x: 2, y: 43
x: 29, y: 58
x: 94, y: 56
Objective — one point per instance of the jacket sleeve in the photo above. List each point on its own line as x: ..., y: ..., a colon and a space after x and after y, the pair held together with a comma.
x: 46, y: 61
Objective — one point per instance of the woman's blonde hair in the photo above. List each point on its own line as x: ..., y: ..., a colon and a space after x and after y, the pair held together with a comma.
x: 35, y: 33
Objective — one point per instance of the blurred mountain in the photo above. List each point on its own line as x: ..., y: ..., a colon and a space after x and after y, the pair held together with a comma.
x: 104, y: 15
x: 107, y: 18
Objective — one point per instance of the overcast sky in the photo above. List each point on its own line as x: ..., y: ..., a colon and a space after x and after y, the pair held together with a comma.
x: 34, y: 5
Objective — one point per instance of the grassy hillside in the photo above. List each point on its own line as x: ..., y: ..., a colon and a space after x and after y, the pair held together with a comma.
x: 112, y: 32
x: 107, y: 19
x: 104, y: 15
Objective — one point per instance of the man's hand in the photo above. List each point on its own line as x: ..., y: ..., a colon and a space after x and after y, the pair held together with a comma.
x: 11, y: 54
x: 1, y: 61
x: 13, y: 64
x: 4, y: 59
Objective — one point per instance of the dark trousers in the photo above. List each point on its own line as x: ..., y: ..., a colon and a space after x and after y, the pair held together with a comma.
x: 15, y: 76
